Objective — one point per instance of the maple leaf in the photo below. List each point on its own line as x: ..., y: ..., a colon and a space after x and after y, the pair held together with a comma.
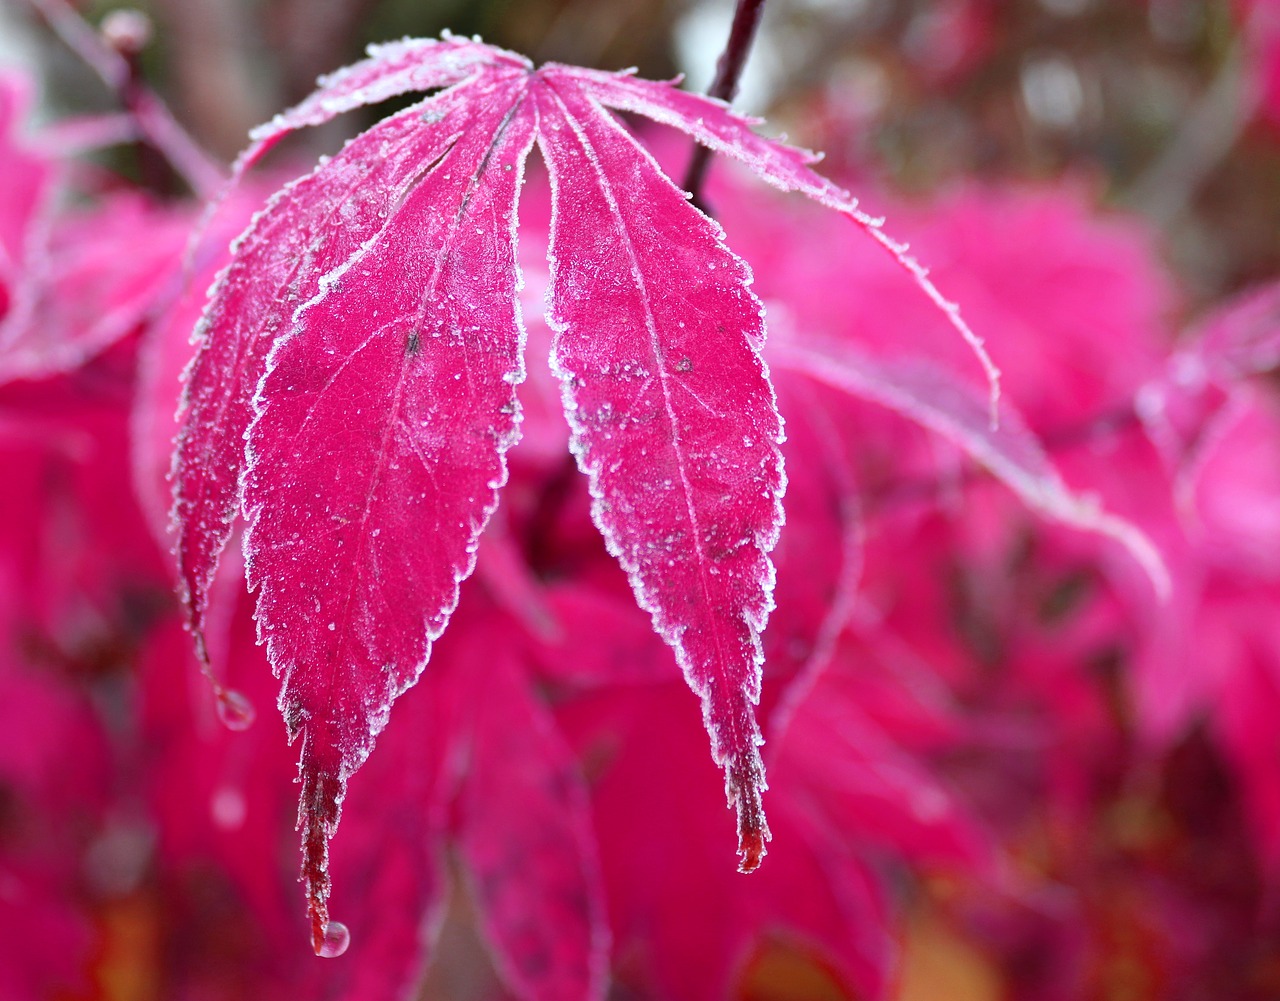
x: 366, y: 341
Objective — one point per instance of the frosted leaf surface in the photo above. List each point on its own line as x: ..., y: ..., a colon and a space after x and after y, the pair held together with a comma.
x: 366, y: 342
x: 311, y: 227
x: 393, y: 68
x: 713, y: 124
x: 673, y: 417
x: 377, y: 452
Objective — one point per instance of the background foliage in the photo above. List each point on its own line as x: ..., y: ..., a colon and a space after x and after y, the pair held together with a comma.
x: 1019, y: 776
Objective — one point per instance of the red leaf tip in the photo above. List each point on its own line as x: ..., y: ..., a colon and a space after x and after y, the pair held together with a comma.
x: 753, y: 829
x: 751, y: 848
x: 315, y: 878
x: 329, y: 939
x: 318, y: 818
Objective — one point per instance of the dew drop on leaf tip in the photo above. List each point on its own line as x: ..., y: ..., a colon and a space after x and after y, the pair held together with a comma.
x: 337, y: 937
x: 235, y: 711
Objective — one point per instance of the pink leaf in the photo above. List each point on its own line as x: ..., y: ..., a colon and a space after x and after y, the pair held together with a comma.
x: 843, y: 909
x: 392, y: 859
x: 674, y: 419
x: 855, y: 778
x: 165, y: 354
x: 218, y: 793
x: 655, y: 817
x: 604, y: 641
x: 511, y: 582
x: 1236, y: 495
x: 366, y: 340
x: 1243, y: 337
x: 72, y: 282
x: 52, y: 773
x: 97, y: 280
x: 377, y: 452
x: 711, y: 123
x: 1189, y: 406
x: 528, y: 846
x: 24, y: 198
x: 819, y: 556
x: 1241, y: 629
x: 310, y: 228
x: 413, y: 64
x: 1012, y: 453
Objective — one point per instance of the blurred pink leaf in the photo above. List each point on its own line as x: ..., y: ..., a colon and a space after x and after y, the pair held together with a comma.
x: 99, y: 277
x: 1191, y: 403
x: 527, y: 843
x: 24, y: 200
x: 933, y: 398
x: 73, y: 281
x: 1241, y: 337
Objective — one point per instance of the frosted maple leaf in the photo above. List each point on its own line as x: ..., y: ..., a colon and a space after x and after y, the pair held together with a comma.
x: 354, y: 393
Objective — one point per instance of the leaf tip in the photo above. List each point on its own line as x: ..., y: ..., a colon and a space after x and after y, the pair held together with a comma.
x: 751, y: 849
x: 315, y: 877
x: 745, y: 784
x: 318, y: 818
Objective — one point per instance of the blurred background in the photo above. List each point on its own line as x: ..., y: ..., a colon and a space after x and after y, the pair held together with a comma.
x: 1139, y: 139
x: 1166, y: 106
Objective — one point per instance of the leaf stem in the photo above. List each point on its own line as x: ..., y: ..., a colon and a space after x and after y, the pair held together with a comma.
x: 746, y: 19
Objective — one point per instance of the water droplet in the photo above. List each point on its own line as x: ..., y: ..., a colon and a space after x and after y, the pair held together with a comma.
x: 235, y: 711
x: 336, y: 939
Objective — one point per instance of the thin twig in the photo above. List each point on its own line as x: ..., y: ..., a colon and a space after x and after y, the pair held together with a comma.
x: 746, y: 19
x: 1208, y: 132
x: 81, y: 39
x: 154, y: 121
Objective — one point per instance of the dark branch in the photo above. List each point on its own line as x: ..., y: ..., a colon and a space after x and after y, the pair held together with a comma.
x: 746, y: 19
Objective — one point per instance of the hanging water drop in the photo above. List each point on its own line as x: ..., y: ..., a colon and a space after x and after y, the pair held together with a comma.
x: 336, y: 939
x: 235, y: 711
